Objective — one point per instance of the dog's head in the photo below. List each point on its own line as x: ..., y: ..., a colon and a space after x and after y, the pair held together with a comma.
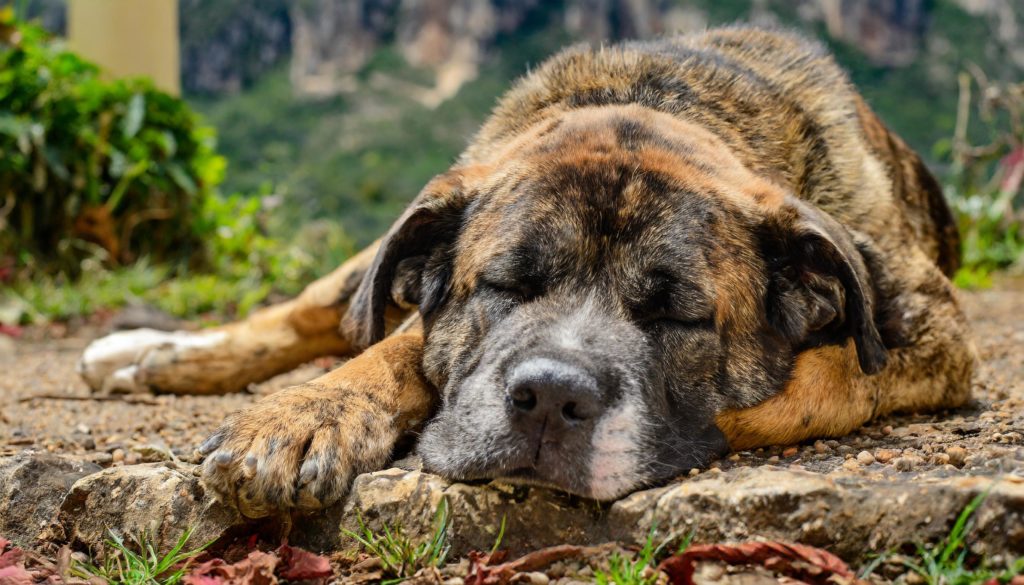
x: 595, y: 296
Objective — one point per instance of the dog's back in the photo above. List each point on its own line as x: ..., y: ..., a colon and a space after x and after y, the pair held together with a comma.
x: 781, y: 104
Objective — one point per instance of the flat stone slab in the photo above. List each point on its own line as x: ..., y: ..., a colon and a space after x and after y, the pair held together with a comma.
x: 32, y: 487
x: 850, y: 516
x: 159, y: 500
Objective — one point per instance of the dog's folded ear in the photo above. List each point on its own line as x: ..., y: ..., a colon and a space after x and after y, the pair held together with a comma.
x: 402, y: 272
x: 819, y: 290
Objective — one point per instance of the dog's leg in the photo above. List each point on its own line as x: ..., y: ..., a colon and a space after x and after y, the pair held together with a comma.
x: 828, y: 395
x: 301, y: 447
x: 229, y: 358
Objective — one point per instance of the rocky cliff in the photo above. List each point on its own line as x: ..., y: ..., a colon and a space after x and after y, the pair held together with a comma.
x: 333, y: 39
x: 226, y: 44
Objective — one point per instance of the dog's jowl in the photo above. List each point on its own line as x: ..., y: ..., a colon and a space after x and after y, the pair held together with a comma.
x: 649, y: 255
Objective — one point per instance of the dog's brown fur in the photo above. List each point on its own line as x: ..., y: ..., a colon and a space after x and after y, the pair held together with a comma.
x: 767, y: 124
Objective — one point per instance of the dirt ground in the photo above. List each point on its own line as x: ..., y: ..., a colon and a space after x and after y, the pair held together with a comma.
x: 45, y: 406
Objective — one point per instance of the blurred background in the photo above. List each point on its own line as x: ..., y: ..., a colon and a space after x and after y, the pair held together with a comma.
x: 208, y: 156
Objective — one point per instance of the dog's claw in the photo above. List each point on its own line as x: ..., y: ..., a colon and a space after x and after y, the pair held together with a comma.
x: 293, y: 450
x: 211, y: 443
x: 222, y: 459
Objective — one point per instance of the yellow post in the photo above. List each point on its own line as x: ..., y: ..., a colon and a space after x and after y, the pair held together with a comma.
x: 128, y: 38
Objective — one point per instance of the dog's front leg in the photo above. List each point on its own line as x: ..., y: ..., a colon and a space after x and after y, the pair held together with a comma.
x: 301, y: 447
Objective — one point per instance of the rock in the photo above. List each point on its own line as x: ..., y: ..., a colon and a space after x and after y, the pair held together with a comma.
x: 535, y: 517
x: 865, y: 458
x: 157, y: 499
x: 957, y: 455
x: 535, y: 578
x: 32, y: 486
x: 850, y: 516
x: 886, y: 455
x: 227, y: 45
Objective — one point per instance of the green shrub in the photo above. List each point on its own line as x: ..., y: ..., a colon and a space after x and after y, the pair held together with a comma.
x: 984, y: 185
x: 109, y: 194
x: 90, y: 167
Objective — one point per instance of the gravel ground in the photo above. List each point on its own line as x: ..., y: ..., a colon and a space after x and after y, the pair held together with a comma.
x: 44, y: 405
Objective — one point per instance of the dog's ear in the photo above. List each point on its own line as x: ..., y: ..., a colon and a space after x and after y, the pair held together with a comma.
x: 402, y: 272
x: 819, y: 289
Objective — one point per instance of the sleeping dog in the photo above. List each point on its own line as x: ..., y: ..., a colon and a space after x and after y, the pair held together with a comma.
x: 650, y: 254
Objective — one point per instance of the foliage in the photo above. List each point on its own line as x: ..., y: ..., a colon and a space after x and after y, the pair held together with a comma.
x: 88, y: 167
x: 139, y: 563
x: 359, y: 158
x: 250, y: 268
x: 640, y: 569
x: 98, y: 175
x: 985, y: 184
x: 400, y: 556
x: 946, y: 563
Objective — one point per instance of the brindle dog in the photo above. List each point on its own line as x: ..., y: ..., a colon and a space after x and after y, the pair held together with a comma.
x: 651, y: 253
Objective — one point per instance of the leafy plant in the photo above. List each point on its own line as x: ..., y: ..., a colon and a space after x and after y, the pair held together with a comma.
x: 248, y: 267
x: 89, y: 167
x: 946, y: 563
x: 139, y: 563
x: 398, y: 553
x: 638, y: 570
x: 985, y: 182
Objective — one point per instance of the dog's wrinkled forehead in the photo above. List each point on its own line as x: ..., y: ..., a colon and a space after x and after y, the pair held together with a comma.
x: 586, y: 219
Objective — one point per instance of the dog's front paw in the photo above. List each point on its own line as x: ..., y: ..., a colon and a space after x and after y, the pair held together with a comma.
x: 297, y: 449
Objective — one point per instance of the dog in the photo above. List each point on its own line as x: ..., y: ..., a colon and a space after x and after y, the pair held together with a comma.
x: 651, y: 254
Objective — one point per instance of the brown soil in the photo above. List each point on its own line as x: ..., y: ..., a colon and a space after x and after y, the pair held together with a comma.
x: 45, y: 406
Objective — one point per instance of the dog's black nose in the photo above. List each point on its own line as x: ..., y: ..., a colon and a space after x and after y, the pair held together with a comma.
x: 552, y: 396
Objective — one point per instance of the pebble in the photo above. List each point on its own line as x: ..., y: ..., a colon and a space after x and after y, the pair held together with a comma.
x: 101, y: 458
x: 904, y: 463
x: 887, y: 430
x: 694, y: 472
x: 885, y: 455
x: 821, y: 447
x: 117, y: 456
x: 534, y: 578
x: 790, y: 451
x: 846, y: 450
x: 851, y: 465
x: 957, y: 455
x: 865, y: 458
x: 773, y: 459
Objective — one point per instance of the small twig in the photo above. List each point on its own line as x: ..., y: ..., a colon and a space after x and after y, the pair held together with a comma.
x: 102, y: 398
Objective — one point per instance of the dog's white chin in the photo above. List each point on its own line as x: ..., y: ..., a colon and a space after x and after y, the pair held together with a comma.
x: 615, y: 446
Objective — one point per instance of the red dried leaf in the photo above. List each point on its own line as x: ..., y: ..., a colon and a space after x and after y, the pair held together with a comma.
x: 301, y: 565
x: 15, y: 575
x: 481, y: 572
x: 10, y: 555
x: 779, y: 557
x: 255, y: 569
x: 12, y: 566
